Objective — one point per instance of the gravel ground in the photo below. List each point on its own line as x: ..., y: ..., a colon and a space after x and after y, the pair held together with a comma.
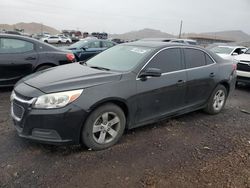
x: 194, y: 150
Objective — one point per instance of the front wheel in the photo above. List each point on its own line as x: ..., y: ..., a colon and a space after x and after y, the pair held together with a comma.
x: 217, y: 100
x: 104, y: 127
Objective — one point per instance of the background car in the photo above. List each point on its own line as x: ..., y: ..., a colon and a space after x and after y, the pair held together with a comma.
x: 85, y: 49
x: 243, y: 67
x: 56, y: 40
x: 20, y: 56
x: 228, y: 52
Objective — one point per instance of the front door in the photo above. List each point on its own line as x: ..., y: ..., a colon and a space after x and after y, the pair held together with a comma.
x: 161, y: 96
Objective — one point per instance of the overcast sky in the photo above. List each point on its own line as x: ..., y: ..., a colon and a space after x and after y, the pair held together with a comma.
x: 119, y: 16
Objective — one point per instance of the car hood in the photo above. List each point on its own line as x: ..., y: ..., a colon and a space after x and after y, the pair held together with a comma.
x: 70, y: 77
x: 243, y: 57
x: 226, y: 56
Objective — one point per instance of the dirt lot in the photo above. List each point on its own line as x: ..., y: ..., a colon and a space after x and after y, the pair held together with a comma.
x: 195, y: 150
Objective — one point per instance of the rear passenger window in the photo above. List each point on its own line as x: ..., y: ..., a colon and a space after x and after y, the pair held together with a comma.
x: 194, y: 58
x: 15, y: 46
x: 167, y: 60
x: 209, y: 60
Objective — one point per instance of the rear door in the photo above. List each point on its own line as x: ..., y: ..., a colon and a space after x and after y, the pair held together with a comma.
x: 201, y: 74
x: 17, y: 59
x: 159, y: 96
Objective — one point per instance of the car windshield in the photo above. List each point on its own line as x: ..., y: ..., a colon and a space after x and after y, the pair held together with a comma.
x: 80, y: 44
x: 222, y: 50
x: 120, y: 58
x: 248, y: 51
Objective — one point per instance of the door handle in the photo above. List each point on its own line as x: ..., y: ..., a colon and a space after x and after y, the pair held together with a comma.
x: 180, y: 82
x: 212, y: 74
x: 30, y: 58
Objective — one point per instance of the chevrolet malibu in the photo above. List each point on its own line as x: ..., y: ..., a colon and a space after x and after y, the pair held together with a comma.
x: 124, y: 87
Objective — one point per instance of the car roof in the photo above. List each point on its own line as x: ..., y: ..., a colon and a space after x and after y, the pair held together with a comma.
x: 157, y: 39
x: 17, y: 37
x: 29, y: 39
x: 233, y: 47
x: 155, y: 44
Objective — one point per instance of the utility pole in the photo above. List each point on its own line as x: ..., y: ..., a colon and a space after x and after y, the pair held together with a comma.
x: 41, y: 28
x: 180, y: 30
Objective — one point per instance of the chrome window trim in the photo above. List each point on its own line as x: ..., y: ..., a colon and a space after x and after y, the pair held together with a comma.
x: 185, y: 69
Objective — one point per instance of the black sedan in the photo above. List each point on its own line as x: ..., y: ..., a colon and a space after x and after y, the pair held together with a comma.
x: 126, y: 86
x: 20, y: 56
x: 87, y: 48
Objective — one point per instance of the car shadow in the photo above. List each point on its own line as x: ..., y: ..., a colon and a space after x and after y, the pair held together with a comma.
x: 243, y: 87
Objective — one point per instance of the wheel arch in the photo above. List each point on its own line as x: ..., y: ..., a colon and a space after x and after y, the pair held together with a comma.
x: 117, y: 101
x: 225, y: 84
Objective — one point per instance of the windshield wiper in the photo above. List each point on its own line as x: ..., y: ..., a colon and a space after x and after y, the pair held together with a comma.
x: 100, y: 68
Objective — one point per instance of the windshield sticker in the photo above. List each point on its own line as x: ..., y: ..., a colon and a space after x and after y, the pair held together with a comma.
x: 140, y: 51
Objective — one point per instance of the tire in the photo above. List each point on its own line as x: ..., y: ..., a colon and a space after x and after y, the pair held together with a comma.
x: 104, y: 127
x: 217, y: 100
x: 46, y: 41
x: 59, y: 42
x: 67, y: 42
x: 43, y: 67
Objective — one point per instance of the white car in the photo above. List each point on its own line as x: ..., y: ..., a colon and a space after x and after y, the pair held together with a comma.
x: 229, y: 52
x: 243, y: 67
x: 56, y: 40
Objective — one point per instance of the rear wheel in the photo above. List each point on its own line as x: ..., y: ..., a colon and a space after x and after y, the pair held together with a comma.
x: 104, y: 127
x: 43, y: 67
x: 217, y: 100
x: 46, y: 41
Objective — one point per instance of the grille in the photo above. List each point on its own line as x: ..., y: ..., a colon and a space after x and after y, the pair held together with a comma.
x: 243, y: 67
x: 18, y: 111
x: 22, y: 96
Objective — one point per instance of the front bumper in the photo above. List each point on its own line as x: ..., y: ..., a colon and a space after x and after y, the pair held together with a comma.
x: 51, y: 126
x: 243, y: 76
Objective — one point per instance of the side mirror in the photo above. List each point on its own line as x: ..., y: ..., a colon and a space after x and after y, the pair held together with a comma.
x: 234, y: 54
x: 150, y: 72
x: 84, y: 48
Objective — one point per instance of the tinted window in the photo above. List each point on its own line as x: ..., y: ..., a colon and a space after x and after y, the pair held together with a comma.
x: 15, y: 46
x: 106, y: 44
x: 209, y: 60
x: 194, y: 58
x: 95, y: 44
x: 167, y: 60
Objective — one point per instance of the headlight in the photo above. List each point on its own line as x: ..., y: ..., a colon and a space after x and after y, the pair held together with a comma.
x: 57, y: 100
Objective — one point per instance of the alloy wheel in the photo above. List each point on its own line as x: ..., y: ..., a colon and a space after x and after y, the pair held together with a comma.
x: 106, y: 128
x: 219, y: 100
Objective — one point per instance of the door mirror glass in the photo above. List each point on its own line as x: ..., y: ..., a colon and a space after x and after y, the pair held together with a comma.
x: 150, y: 72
